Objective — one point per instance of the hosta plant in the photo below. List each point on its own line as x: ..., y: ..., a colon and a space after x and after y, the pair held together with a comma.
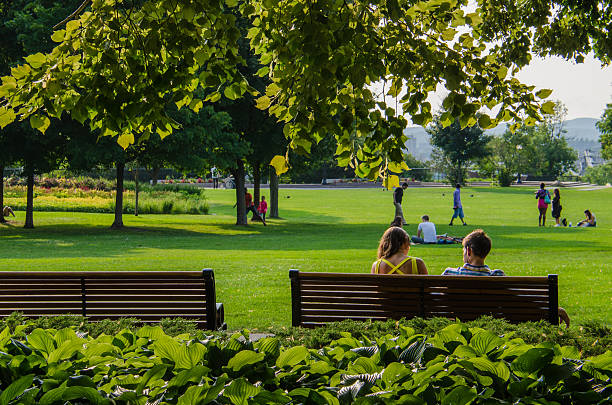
x: 458, y: 365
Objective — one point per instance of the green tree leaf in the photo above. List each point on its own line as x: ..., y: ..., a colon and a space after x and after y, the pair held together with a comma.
x: 40, y: 122
x: 544, y: 93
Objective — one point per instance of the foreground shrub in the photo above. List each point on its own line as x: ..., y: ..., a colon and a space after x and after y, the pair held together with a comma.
x: 458, y: 365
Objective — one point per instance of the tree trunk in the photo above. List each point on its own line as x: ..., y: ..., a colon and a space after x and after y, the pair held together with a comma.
x: 238, y: 173
x: 136, y: 191
x: 273, y: 193
x: 256, y: 183
x: 29, y: 221
x: 2, y: 220
x: 118, y: 223
x: 154, y: 175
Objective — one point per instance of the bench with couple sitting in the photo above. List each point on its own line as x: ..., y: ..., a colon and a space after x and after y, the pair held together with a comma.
x: 407, y: 290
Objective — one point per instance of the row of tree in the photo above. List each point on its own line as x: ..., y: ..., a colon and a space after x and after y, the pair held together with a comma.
x: 229, y: 135
x: 538, y: 150
x: 118, y: 64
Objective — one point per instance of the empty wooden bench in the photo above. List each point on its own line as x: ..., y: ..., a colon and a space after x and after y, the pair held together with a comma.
x: 147, y: 295
x: 320, y: 298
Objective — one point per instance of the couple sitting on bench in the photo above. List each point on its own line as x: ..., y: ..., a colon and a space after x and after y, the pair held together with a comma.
x: 393, y: 258
x: 395, y: 244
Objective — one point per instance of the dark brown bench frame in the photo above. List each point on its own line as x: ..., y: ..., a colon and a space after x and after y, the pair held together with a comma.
x: 320, y: 298
x: 147, y: 295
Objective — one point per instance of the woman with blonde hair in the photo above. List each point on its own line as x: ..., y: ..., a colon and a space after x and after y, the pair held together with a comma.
x: 393, y: 255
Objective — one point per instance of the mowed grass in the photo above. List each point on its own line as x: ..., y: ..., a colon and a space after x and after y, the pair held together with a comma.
x: 326, y: 230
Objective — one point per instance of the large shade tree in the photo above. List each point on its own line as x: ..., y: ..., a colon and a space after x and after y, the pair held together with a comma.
x: 605, y: 128
x: 25, y: 28
x: 117, y: 62
x: 457, y: 148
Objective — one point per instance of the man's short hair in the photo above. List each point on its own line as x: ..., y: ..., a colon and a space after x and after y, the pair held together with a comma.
x: 404, y: 185
x: 425, y: 217
x: 457, y: 185
x: 479, y: 242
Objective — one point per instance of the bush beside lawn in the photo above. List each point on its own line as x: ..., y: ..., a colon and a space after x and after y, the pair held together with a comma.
x: 158, y: 200
x: 458, y: 364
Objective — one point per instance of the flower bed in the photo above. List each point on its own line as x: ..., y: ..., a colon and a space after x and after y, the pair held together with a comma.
x: 151, y: 200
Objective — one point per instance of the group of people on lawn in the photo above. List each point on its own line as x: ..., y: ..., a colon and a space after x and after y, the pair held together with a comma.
x: 544, y: 199
x: 393, y: 258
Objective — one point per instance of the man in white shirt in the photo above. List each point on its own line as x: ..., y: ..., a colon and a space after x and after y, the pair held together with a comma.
x: 426, y: 232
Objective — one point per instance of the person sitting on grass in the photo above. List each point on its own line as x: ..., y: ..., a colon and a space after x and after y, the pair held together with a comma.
x: 393, y: 255
x: 398, y: 221
x: 476, y: 247
x: 590, y: 219
x: 6, y: 211
x: 426, y: 233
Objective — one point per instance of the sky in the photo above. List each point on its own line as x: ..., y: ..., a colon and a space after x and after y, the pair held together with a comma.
x: 584, y: 88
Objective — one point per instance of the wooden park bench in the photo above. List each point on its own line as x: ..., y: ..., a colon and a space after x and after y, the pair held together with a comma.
x: 320, y: 298
x: 146, y: 295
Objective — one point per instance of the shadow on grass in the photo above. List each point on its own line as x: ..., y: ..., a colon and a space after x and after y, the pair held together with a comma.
x: 77, y: 240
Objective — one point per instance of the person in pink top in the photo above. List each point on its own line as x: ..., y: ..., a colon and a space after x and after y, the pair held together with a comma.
x: 543, y: 197
x: 263, y: 207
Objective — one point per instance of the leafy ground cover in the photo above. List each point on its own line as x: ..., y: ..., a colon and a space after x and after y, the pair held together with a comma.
x: 326, y: 230
x: 457, y: 365
x: 160, y: 200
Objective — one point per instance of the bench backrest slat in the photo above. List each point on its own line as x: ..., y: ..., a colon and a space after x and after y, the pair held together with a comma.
x: 149, y: 296
x: 319, y: 298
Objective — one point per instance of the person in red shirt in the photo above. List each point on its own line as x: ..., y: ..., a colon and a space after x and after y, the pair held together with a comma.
x: 263, y: 207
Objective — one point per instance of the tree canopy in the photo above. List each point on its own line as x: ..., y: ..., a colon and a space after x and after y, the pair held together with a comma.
x: 118, y: 63
x: 605, y: 128
x: 456, y: 148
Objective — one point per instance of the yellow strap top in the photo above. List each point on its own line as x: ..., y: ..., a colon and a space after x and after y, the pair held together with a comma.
x: 396, y: 268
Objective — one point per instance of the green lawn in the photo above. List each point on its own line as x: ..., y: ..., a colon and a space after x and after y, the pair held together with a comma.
x: 326, y: 230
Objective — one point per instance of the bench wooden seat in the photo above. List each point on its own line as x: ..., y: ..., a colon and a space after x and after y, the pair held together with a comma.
x: 147, y: 295
x: 320, y: 298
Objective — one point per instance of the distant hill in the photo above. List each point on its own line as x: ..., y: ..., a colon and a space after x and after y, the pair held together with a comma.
x: 581, y: 134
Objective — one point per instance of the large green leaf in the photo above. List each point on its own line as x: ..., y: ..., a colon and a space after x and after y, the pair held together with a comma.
x: 190, y: 355
x: 460, y: 395
x: 483, y: 342
x: 154, y: 373
x: 269, y: 345
x: 65, y: 351
x: 292, y: 356
x: 193, y: 395
x: 42, y: 341
x: 240, y: 390
x: 52, y: 396
x: 193, y: 374
x: 532, y: 361
x: 244, y: 358
x: 16, y: 388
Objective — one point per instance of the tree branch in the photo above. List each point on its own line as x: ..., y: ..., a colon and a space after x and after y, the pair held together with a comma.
x: 74, y: 14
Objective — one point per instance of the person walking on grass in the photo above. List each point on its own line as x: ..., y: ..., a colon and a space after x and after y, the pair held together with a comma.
x: 398, y: 194
x: 543, y: 197
x: 457, y: 207
x: 263, y: 208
